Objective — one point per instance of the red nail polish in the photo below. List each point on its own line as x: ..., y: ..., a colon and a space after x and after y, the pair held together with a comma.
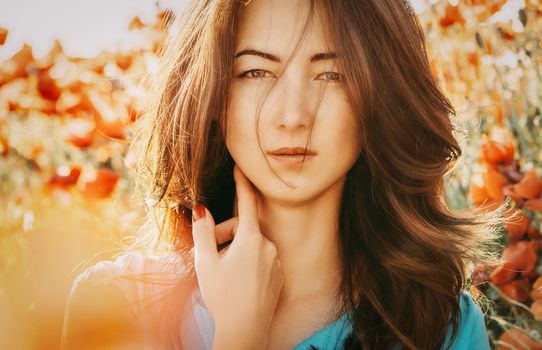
x: 198, y: 212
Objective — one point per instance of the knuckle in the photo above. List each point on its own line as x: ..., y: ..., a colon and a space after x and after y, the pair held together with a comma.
x: 249, y: 236
x: 272, y: 249
x: 256, y: 239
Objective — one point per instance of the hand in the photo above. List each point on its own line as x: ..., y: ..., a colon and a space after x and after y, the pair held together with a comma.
x: 241, y: 286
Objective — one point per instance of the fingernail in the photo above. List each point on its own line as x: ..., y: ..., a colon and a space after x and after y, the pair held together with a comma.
x: 198, y: 212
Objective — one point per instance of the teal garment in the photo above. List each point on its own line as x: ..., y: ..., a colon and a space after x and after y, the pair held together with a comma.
x: 472, y: 333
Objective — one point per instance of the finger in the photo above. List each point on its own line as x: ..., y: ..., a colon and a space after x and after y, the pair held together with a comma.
x: 203, y: 233
x: 223, y: 250
x: 247, y: 203
x: 225, y: 231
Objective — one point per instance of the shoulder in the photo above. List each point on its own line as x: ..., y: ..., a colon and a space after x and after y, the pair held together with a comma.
x: 137, y: 275
x: 118, y: 297
x: 471, y: 332
x: 131, y: 263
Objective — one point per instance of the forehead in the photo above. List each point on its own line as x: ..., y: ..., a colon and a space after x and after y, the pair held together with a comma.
x: 278, y: 25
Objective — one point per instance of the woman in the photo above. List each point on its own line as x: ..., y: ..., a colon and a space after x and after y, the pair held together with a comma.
x: 293, y: 154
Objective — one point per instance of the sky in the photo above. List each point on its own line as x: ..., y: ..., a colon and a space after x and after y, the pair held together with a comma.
x: 86, y: 27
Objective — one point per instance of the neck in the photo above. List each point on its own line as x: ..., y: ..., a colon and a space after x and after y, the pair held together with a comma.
x: 307, y: 241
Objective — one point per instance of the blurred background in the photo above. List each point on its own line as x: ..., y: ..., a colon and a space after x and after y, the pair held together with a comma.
x: 71, y: 85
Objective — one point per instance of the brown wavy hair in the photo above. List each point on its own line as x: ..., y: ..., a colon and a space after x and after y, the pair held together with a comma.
x: 406, y: 255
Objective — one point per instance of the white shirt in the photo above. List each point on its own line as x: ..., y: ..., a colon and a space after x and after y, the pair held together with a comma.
x: 144, y: 280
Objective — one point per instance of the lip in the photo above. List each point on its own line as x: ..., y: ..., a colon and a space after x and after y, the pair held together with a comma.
x: 291, y: 159
x: 292, y: 155
x: 293, y: 151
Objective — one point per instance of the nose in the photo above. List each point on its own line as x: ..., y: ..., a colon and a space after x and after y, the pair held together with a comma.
x: 294, y: 104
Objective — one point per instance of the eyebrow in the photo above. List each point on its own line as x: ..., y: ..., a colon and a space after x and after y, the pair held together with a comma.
x: 271, y: 57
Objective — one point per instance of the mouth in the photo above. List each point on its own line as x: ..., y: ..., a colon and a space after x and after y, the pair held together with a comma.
x: 292, y: 155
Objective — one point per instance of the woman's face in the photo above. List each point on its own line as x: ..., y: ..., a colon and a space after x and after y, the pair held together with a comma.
x: 290, y: 115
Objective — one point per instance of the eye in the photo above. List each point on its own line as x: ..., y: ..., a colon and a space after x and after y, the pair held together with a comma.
x: 333, y: 76
x: 254, y: 74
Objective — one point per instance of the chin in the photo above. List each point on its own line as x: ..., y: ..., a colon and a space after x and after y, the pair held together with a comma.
x: 288, y: 201
x: 280, y: 193
x: 291, y: 188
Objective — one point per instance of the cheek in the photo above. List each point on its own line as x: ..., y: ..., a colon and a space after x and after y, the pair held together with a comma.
x: 235, y: 121
x: 348, y: 145
x: 240, y: 130
x: 341, y: 126
x: 352, y: 134
x: 241, y: 116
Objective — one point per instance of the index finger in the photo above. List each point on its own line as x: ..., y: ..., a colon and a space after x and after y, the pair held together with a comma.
x: 247, y: 202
